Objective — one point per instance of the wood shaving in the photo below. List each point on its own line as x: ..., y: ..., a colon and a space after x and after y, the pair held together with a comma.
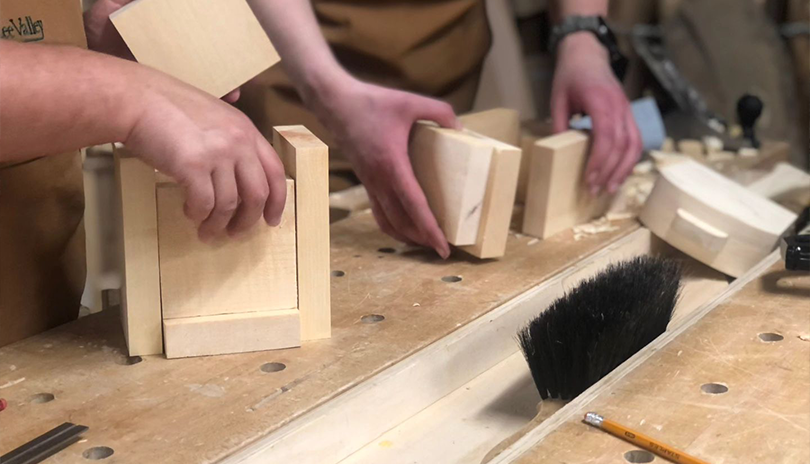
x: 597, y: 226
x: 804, y: 337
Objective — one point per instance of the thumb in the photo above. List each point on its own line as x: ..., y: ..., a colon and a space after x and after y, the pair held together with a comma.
x: 437, y: 111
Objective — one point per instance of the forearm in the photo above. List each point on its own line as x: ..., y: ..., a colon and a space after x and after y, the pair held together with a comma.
x: 563, y: 8
x: 55, y: 99
x: 305, y: 55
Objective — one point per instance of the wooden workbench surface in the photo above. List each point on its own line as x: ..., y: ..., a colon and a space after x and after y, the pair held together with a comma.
x: 764, y: 417
x: 205, y: 409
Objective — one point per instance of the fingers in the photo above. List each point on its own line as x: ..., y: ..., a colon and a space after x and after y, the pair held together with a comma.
x: 416, y: 207
x: 608, y: 166
x: 274, y: 173
x: 631, y: 154
x: 603, y: 135
x: 226, y: 202
x: 199, y: 198
x: 232, y: 96
x: 437, y: 111
x: 383, y: 223
x: 253, y: 190
x: 560, y: 112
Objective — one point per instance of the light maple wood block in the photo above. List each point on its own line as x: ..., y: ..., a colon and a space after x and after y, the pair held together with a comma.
x: 306, y: 159
x: 232, y: 333
x: 255, y: 272
x: 713, y: 219
x: 140, y: 290
x: 452, y: 168
x: 214, y: 45
x: 692, y: 148
x: 556, y: 197
x: 499, y: 200
x: 501, y: 124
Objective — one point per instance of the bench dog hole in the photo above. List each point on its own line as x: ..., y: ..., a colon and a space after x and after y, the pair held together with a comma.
x: 770, y: 337
x: 98, y: 453
x: 273, y: 367
x: 451, y: 279
x: 639, y: 456
x: 40, y: 398
x: 713, y: 388
x: 372, y: 318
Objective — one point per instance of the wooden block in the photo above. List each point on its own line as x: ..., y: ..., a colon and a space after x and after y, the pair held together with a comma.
x: 501, y: 124
x: 140, y: 289
x: 713, y: 219
x: 556, y: 198
x: 232, y: 333
x: 215, y: 45
x: 499, y: 200
x: 306, y: 159
x: 452, y: 169
x: 691, y: 148
x: 256, y: 272
x: 531, y: 131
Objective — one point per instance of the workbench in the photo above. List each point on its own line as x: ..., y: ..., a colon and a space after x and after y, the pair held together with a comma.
x: 389, y: 302
x: 413, y: 337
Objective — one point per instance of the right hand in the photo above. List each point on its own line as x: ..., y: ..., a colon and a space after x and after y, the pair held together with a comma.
x: 231, y: 174
x: 372, y: 125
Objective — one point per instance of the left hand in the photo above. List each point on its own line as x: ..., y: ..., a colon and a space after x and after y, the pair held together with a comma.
x: 584, y: 82
x: 103, y: 37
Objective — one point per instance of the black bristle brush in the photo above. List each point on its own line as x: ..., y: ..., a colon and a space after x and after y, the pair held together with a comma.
x: 588, y: 332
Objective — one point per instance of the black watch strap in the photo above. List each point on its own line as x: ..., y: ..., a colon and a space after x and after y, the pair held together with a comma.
x: 599, y: 28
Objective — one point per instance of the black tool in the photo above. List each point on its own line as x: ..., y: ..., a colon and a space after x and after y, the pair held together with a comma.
x: 587, y: 333
x: 749, y: 109
x: 46, y: 445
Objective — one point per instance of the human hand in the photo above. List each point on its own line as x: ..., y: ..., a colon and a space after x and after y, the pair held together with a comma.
x: 231, y: 174
x: 103, y: 37
x: 372, y: 125
x: 584, y: 82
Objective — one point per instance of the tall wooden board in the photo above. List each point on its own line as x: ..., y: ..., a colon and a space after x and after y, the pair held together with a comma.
x: 214, y: 45
x: 556, y: 197
x: 499, y: 200
x: 306, y: 159
x: 140, y: 288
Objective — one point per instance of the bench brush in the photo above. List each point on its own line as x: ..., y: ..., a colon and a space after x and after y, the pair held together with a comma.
x: 600, y: 324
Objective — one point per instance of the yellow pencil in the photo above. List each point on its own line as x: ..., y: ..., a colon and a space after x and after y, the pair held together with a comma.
x: 641, y: 440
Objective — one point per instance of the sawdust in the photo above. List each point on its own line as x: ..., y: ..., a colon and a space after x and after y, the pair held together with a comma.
x: 595, y: 227
x: 11, y: 383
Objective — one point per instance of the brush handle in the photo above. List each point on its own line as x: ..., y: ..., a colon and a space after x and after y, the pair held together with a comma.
x: 641, y: 440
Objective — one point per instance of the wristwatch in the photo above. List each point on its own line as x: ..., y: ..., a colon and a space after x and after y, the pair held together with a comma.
x: 599, y: 28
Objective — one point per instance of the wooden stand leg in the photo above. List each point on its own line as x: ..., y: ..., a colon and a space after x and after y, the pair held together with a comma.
x: 306, y: 159
x: 140, y: 290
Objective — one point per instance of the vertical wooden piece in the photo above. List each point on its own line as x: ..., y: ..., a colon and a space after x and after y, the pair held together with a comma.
x: 499, y: 200
x: 556, y: 198
x: 452, y: 169
x: 306, y: 159
x: 214, y: 45
x: 140, y: 289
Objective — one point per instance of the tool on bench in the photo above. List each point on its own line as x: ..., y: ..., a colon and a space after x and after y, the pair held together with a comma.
x: 597, y: 326
x: 641, y: 440
x: 45, y: 445
x: 795, y: 249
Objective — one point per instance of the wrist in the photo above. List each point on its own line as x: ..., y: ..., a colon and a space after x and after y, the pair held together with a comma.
x: 581, y: 42
x: 320, y: 88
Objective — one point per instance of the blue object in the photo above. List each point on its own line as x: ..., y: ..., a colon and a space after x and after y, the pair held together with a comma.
x: 648, y: 119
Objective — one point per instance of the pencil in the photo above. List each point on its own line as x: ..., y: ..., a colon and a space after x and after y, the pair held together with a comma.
x: 640, y: 440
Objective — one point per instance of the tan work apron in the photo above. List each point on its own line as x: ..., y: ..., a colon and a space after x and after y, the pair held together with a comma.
x: 42, y: 258
x: 431, y: 47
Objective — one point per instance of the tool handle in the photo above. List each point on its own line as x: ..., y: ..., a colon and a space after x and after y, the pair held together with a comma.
x: 649, y: 443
